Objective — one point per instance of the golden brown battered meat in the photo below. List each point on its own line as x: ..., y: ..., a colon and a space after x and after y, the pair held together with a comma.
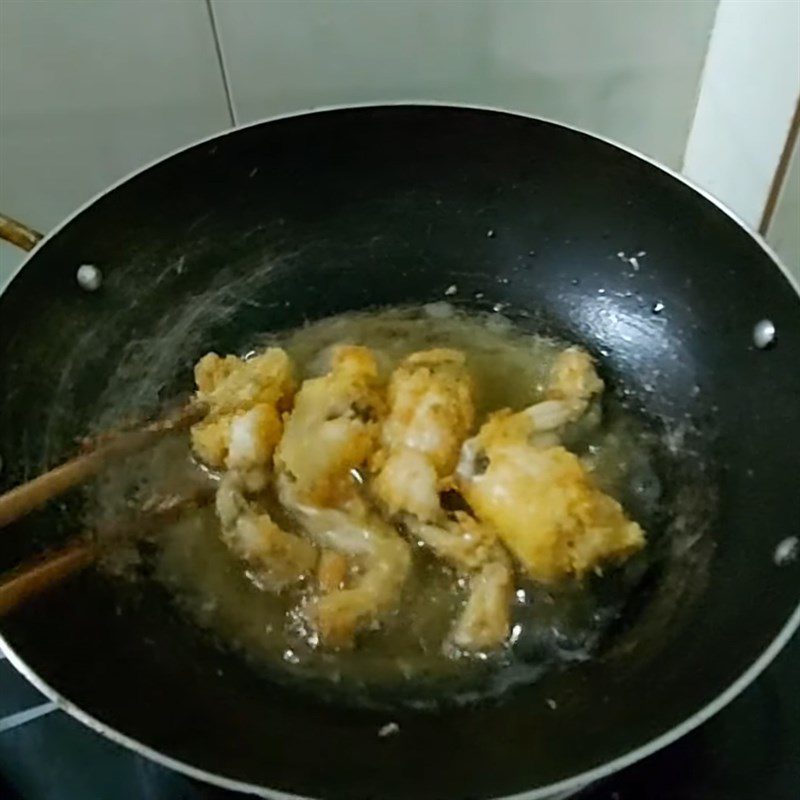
x: 573, y: 378
x: 474, y: 550
x: 245, y: 400
x: 332, y: 571
x: 382, y: 560
x: 484, y: 622
x: 333, y: 428
x: 329, y: 437
x: 341, y: 614
x: 545, y: 508
x: 536, y: 494
x: 408, y: 441
x: 275, y: 559
x: 431, y: 411
x: 461, y: 540
x: 408, y: 483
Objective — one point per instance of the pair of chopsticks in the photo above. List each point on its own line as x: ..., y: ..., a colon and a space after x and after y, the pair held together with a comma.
x: 23, y: 499
x: 32, y: 578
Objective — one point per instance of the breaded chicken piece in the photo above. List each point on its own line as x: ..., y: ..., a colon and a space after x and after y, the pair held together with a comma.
x: 461, y: 541
x: 276, y: 559
x: 571, y: 386
x: 332, y: 571
x: 431, y: 411
x: 245, y: 400
x: 484, y: 622
x: 382, y: 560
x: 573, y: 378
x: 333, y: 428
x: 474, y: 550
x: 232, y: 384
x: 545, y: 508
x: 252, y: 439
x: 331, y: 433
x: 339, y: 615
x: 538, y: 495
x: 408, y: 483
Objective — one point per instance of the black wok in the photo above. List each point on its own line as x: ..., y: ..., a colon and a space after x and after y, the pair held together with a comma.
x: 298, y: 218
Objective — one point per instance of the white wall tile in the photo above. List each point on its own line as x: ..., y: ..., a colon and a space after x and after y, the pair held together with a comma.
x: 750, y: 89
x: 628, y: 70
x: 92, y: 89
x: 784, y: 230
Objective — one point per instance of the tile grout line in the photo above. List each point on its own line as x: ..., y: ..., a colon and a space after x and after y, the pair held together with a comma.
x: 21, y: 717
x: 223, y: 66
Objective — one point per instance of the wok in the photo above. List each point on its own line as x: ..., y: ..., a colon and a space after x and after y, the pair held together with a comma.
x: 298, y: 218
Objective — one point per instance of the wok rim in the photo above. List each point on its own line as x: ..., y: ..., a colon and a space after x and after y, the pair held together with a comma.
x: 560, y: 789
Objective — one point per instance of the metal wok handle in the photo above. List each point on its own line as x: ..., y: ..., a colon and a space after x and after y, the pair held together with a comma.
x: 18, y: 234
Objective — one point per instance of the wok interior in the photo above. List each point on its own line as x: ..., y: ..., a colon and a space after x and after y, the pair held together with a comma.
x: 303, y: 218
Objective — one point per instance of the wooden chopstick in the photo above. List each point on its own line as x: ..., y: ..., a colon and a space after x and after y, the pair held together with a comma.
x: 34, y: 577
x: 25, y: 498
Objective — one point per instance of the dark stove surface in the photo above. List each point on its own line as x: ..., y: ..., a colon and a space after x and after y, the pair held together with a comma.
x: 749, y: 751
